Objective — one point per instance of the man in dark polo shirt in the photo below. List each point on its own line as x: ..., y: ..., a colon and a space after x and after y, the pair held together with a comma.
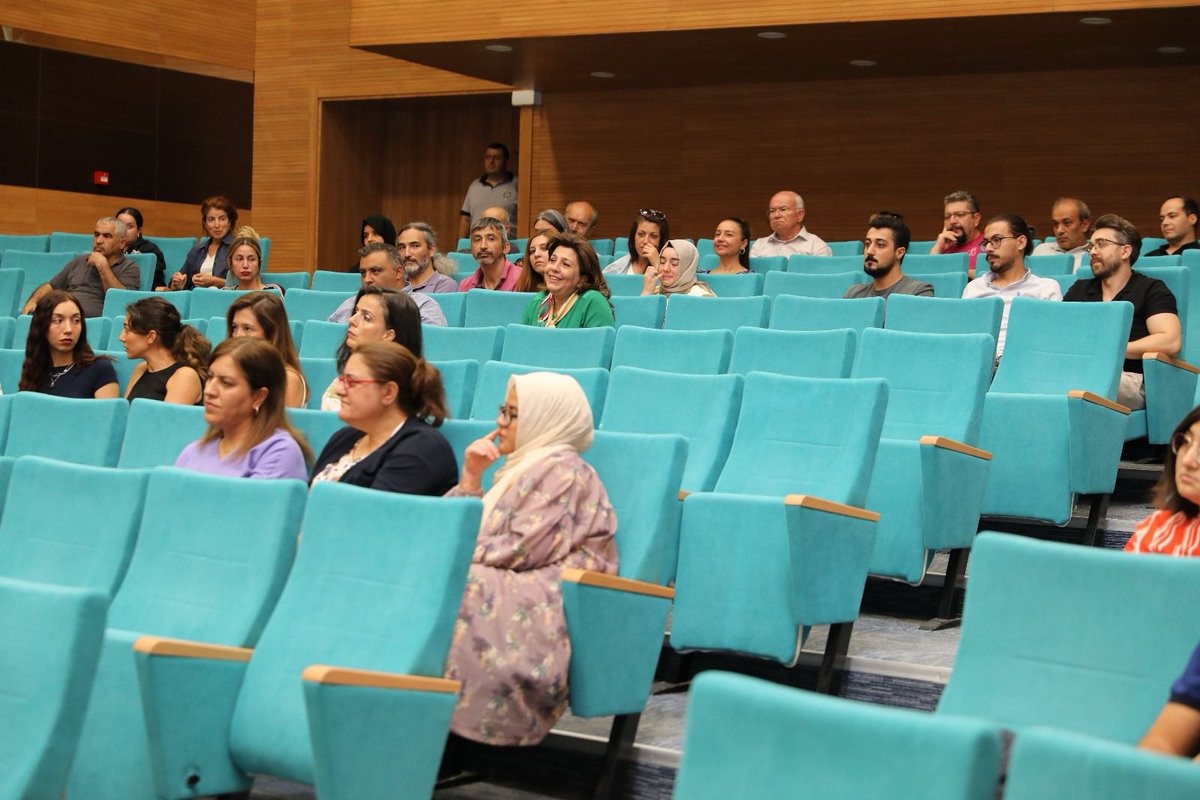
x: 1113, y: 248
x: 1177, y: 218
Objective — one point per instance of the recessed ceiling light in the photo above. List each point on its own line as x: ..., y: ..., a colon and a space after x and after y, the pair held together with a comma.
x: 499, y: 48
x: 862, y: 62
x: 1172, y: 50
x: 1095, y: 20
x: 772, y: 35
x: 603, y: 74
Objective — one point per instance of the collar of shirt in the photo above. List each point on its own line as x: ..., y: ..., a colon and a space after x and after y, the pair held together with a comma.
x: 799, y: 236
x: 989, y: 277
x: 508, y: 176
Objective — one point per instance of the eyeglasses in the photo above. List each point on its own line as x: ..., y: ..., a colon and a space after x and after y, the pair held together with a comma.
x: 994, y: 242
x: 349, y: 381
x: 1182, y: 441
x: 652, y: 215
x: 506, y: 414
x: 1094, y: 243
x: 957, y: 215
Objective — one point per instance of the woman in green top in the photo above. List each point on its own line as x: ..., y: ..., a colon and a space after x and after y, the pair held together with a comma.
x: 576, y: 294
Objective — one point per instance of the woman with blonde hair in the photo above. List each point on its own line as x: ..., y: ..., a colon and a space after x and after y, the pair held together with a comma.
x: 245, y: 263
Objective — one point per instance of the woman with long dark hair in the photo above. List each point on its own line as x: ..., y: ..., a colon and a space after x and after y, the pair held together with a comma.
x: 174, y: 356
x: 262, y: 314
x: 58, y: 358
x: 380, y: 315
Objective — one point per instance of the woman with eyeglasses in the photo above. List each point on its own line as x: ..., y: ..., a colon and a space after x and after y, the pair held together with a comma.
x: 676, y: 272
x: 1174, y: 529
x: 545, y: 511
x: 380, y: 315
x: 387, y: 394
x: 647, y: 232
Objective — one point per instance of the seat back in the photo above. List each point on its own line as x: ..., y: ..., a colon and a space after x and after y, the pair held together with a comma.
x: 39, y: 268
x: 322, y: 339
x: 90, y: 543
x: 70, y: 242
x: 115, y: 301
x: 12, y: 282
x: 365, y: 596
x: 1050, y: 264
x: 146, y: 264
x: 318, y: 374
x: 316, y: 425
x: 908, y: 312
x: 559, y: 349
x: 692, y: 352
x: 792, y: 313
x: 824, y: 265
x: 453, y: 306
x: 85, y: 431
x: 452, y: 344
x: 297, y: 279
x: 459, y: 379
x: 687, y: 313
x: 121, y: 363
x: 36, y: 243
x: 175, y: 250
x: 157, y: 432
x: 306, y: 304
x: 624, y: 285
x: 945, y: 284
x: 746, y: 284
x: 852, y: 247
x: 324, y: 280
x: 833, y: 285
x: 936, y: 383
x: 1153, y: 262
x: 11, y: 361
x: 703, y: 409
x: 802, y: 354
x: 643, y: 312
x: 747, y: 737
x: 485, y: 307
x: 806, y: 436
x: 767, y: 264
x: 210, y: 302
x: 493, y: 383
x: 928, y: 264
x: 1029, y: 657
x: 1044, y: 352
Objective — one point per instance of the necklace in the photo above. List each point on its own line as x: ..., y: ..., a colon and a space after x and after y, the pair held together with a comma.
x: 55, y: 375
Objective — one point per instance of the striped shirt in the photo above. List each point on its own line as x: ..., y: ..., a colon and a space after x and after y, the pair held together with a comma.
x: 1171, y: 533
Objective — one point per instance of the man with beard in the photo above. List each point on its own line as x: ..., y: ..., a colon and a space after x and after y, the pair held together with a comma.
x: 379, y: 263
x: 884, y: 247
x: 1114, y: 249
x: 1177, y: 218
x: 417, y: 244
x: 489, y: 242
x: 960, y: 233
x: 1006, y: 241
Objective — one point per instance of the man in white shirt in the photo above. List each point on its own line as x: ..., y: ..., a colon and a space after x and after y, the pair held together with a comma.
x: 1071, y: 220
x: 786, y: 218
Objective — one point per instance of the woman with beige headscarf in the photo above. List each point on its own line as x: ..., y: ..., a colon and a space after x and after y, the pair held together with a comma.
x: 547, y: 510
x: 676, y: 272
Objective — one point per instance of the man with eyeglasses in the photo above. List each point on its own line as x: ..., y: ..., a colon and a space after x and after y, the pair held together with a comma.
x: 788, y: 236
x: 960, y: 231
x: 1005, y: 242
x: 1114, y: 248
x: 1177, y: 218
x: 1071, y: 221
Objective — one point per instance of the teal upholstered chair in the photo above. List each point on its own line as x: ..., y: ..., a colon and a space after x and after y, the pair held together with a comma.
x: 11, y: 297
x: 453, y: 305
x: 297, y: 279
x: 322, y: 339
x: 1038, y: 648
x: 6, y: 462
x: 39, y: 268
x: 644, y: 312
x: 1050, y: 420
x: 1051, y: 264
x: 461, y: 432
x: 766, y: 264
x: 8, y: 325
x: 71, y: 243
x: 553, y: 348
x: 624, y: 285
x: 115, y: 301
x: 703, y: 408
x: 485, y: 307
x: 687, y: 313
x: 927, y: 264
x: 89, y: 544
x: 1052, y: 763
x: 208, y: 302
x: 480, y: 344
x: 83, y: 431
x: 216, y: 329
x: 785, y: 518
x: 459, y: 379
x: 945, y: 315
x: 347, y: 283
x: 305, y: 304
x: 852, y: 247
x: 157, y: 432
x: 945, y: 284
x: 11, y: 361
x: 318, y: 374
x: 1155, y: 262
x: 493, y: 383
x: 211, y: 577
x: 691, y: 352
x: 32, y: 243
x: 741, y: 285
x: 123, y: 364
x: 316, y: 425
x: 1169, y: 382
x: 146, y: 264
x: 832, y: 285
x: 175, y: 250
x: 52, y: 638
x: 802, y: 354
x: 824, y: 265
x: 344, y: 688
x: 795, y: 313
x: 746, y: 737
x: 929, y: 476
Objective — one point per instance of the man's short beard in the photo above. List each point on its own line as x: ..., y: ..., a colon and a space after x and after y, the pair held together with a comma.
x: 877, y: 271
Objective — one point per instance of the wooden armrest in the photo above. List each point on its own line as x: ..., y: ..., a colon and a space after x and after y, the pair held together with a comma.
x: 818, y: 504
x: 158, y: 646
x: 958, y: 447
x: 1174, y: 362
x: 1080, y: 394
x: 605, y: 581
x: 343, y: 676
x: 683, y: 494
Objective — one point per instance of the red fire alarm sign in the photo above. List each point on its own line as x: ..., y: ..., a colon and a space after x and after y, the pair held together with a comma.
x: 100, y: 177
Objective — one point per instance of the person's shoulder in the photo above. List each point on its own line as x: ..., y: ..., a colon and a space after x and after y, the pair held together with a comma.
x: 1080, y: 289
x: 857, y: 291
x: 910, y: 285
x: 1046, y: 249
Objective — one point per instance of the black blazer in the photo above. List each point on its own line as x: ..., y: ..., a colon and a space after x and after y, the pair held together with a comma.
x: 416, y: 460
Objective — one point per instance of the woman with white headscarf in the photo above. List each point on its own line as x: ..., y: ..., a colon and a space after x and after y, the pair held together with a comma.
x: 547, y: 510
x: 676, y: 272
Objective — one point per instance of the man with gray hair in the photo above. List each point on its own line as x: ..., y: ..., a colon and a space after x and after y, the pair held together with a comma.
x: 1071, y: 220
x: 417, y: 245
x: 788, y: 234
x: 489, y: 243
x: 581, y: 217
x: 89, y: 276
x: 960, y: 232
x: 380, y: 265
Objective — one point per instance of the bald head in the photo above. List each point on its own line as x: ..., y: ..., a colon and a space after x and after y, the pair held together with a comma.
x: 581, y: 217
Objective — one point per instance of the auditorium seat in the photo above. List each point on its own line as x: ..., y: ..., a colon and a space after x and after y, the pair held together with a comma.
x: 801, y: 354
x: 796, y: 313
x: 175, y: 250
x: 146, y: 264
x: 921, y: 246
x: 305, y: 304
x: 297, y: 279
x: 459, y: 378
x: 765, y: 264
x: 348, y: 283
x: 688, y: 313
x: 344, y: 689
x: 945, y: 284
x: 823, y: 265
x: 704, y: 247
x: 50, y: 426
x: 746, y: 737
x: 451, y: 344
x: 1154, y: 262
x: 493, y: 384
x: 805, y: 285
x: 208, y: 302
x: 8, y: 327
x: 156, y: 432
x: 12, y: 294
x: 464, y: 262
x: 39, y: 268
x: 908, y: 312
x: 603, y: 247
x: 744, y: 285
x: 1065, y: 282
x: 37, y: 243
x: 11, y: 361
x: 692, y: 352
x: 318, y: 374
x: 852, y: 247
x: 557, y: 349
x: 452, y: 304
x: 1151, y: 243
x: 461, y: 432
x: 211, y: 576
x: 1170, y: 384
x: 115, y: 301
x: 642, y: 312
x: 322, y: 339
x: 925, y: 264
x: 486, y: 307
x: 1051, y: 264
x: 626, y: 285
x: 70, y: 242
x: 316, y: 425
x: 122, y: 364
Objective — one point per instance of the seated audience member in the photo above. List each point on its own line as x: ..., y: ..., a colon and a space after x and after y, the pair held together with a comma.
x: 884, y: 248
x: 1114, y: 248
x: 248, y: 434
x: 1006, y: 241
x: 381, y: 266
x: 546, y: 510
x: 380, y: 315
x: 496, y: 187
x: 174, y: 356
x: 245, y: 261
x: 375, y: 228
x: 58, y: 358
x: 88, y: 277
x: 262, y: 315
x: 137, y: 243
x: 1072, y: 222
x: 676, y: 272
x: 1177, y: 218
x: 489, y: 243
x: 648, y: 230
x: 208, y: 262
x: 510, y: 228
x: 1174, y: 529
x: 581, y: 217
x: 426, y: 270
x: 961, y: 233
x: 387, y: 394
x: 788, y: 236
x: 576, y: 295
x: 533, y: 264
x: 1176, y: 730
x: 549, y: 221
x: 731, y: 243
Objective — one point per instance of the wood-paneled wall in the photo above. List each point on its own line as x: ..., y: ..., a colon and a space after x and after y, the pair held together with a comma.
x: 25, y: 210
